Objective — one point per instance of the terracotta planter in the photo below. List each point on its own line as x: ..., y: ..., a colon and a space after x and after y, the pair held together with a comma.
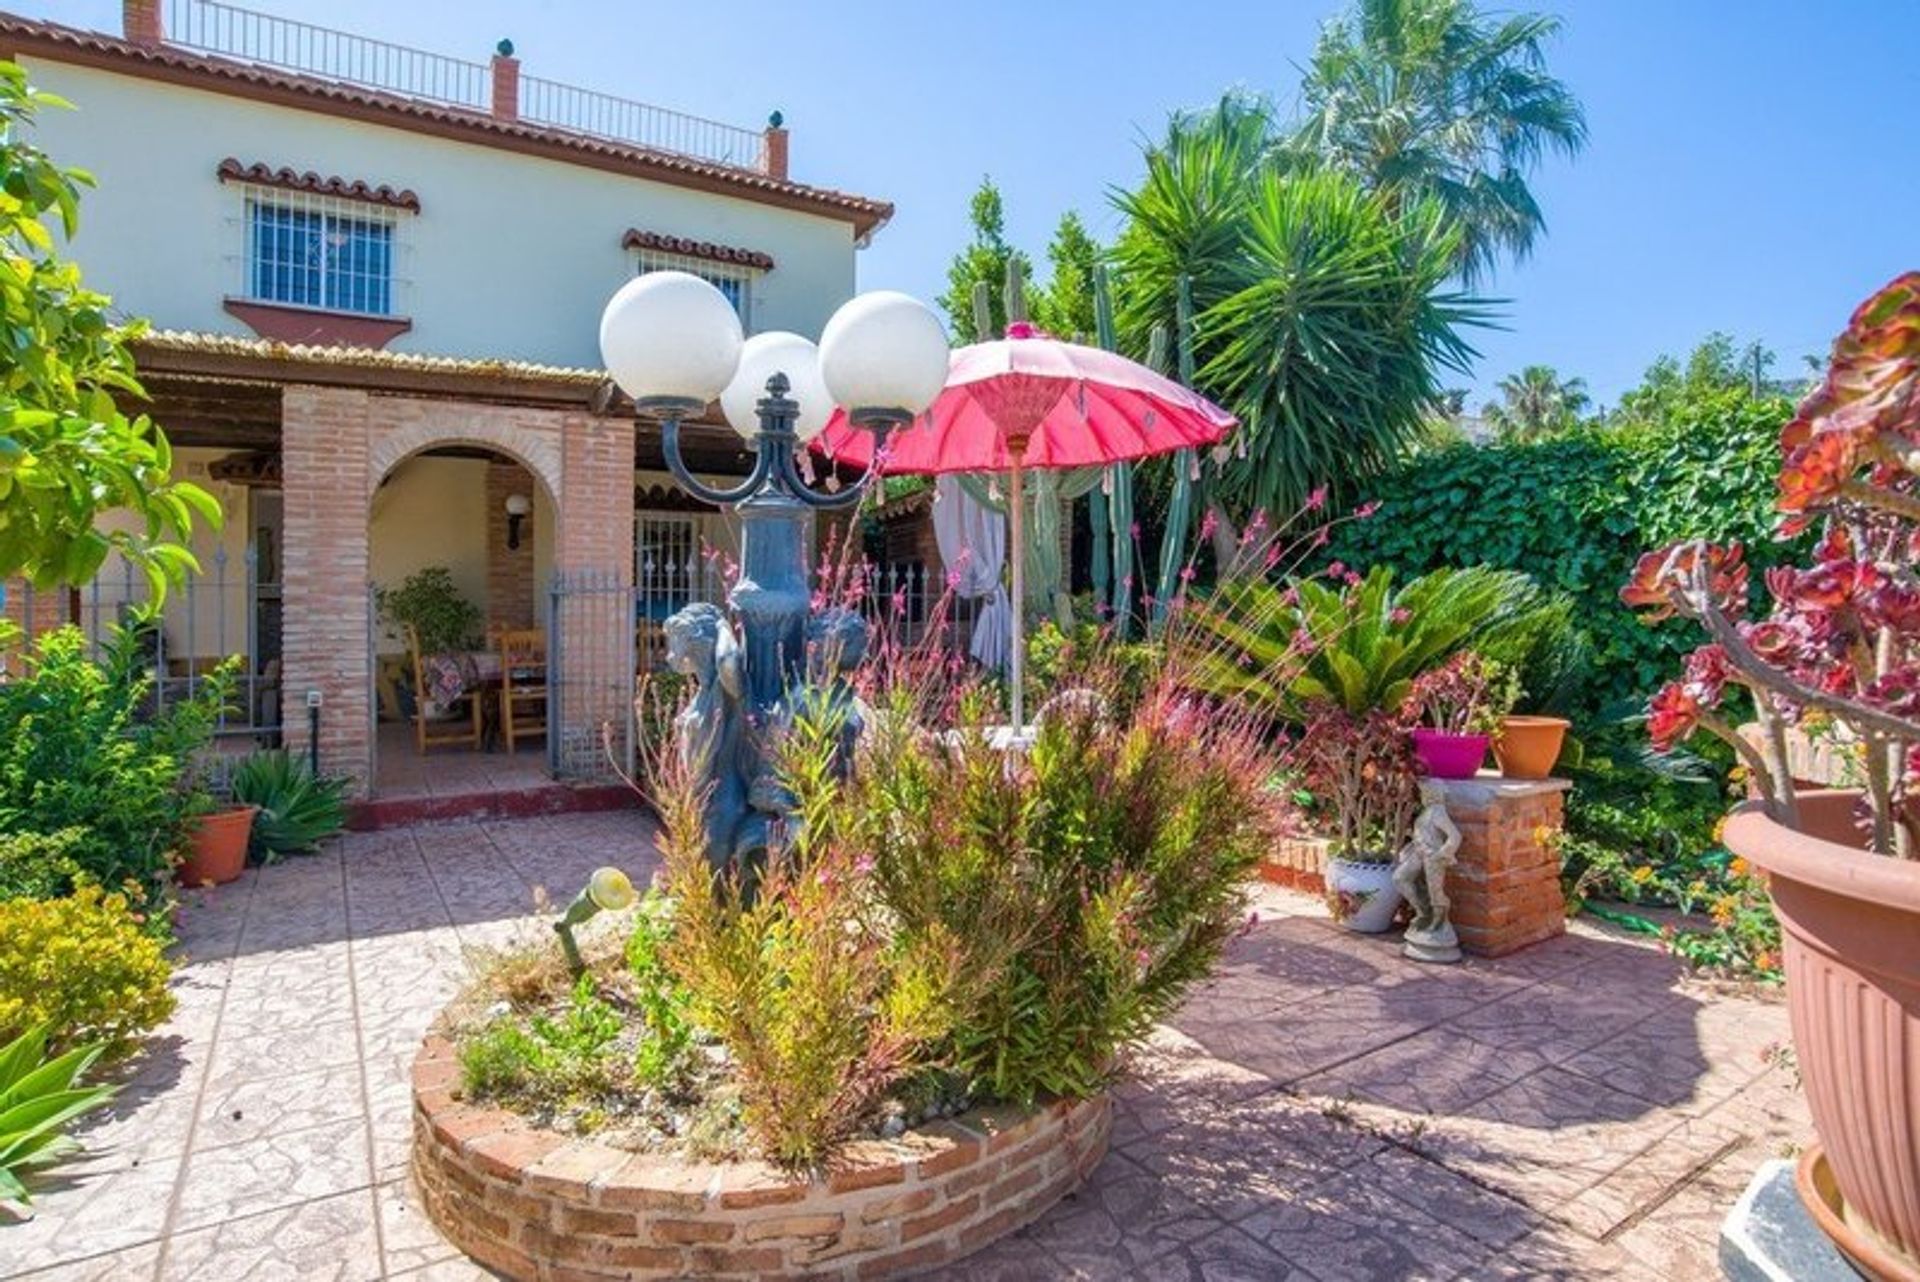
x: 1362, y: 895
x: 1527, y: 747
x: 1851, y: 925
x: 218, y: 853
x: 1449, y: 756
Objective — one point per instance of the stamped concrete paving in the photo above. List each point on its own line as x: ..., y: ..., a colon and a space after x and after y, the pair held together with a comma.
x: 1322, y: 1110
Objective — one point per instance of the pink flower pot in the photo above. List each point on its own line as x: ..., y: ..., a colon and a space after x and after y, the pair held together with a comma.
x: 1450, y: 756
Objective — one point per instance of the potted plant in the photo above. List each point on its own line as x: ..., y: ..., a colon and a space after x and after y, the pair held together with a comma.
x: 1461, y: 702
x: 1841, y: 642
x: 1361, y: 772
x: 429, y: 610
x: 429, y: 602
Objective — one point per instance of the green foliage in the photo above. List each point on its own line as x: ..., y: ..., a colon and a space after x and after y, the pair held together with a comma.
x: 430, y: 603
x: 39, y: 1097
x: 552, y: 1058
x: 820, y: 1011
x: 87, y: 761
x: 1365, y: 641
x: 68, y: 455
x: 80, y: 969
x: 1322, y: 315
x: 1089, y: 657
x: 663, y: 1000
x: 1575, y: 512
x: 1436, y: 99
x: 297, y: 810
x: 1084, y: 888
x: 1536, y: 404
x: 1064, y: 307
x: 983, y: 261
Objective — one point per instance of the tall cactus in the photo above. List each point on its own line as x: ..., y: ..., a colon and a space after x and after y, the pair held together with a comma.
x: 1186, y: 465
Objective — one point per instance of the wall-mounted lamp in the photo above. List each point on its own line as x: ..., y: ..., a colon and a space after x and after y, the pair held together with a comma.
x: 518, y: 506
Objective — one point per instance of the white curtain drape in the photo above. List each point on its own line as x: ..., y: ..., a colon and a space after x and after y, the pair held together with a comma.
x: 973, y: 546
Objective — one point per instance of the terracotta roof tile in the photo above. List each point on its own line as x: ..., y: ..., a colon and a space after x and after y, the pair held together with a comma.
x: 288, y: 179
x: 660, y: 242
x: 176, y: 340
x: 52, y: 40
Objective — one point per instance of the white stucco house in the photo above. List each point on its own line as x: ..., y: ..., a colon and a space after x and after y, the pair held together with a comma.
x: 374, y: 276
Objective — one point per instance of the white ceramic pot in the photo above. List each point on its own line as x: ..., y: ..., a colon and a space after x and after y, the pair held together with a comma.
x: 1362, y: 895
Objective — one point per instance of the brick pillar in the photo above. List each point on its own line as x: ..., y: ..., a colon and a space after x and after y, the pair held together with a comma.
x: 593, y: 536
x: 509, y: 570
x: 776, y: 148
x: 506, y: 83
x: 326, y: 644
x: 1506, y: 887
x: 141, y: 22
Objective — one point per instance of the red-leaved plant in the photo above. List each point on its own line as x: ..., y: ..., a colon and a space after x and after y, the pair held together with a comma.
x: 1465, y: 695
x: 1842, y: 640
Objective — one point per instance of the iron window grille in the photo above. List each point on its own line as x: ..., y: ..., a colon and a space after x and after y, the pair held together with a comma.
x: 321, y: 252
x: 737, y: 282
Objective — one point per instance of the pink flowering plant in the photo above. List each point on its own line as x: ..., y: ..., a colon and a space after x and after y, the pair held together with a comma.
x: 1840, y: 643
x: 1466, y: 695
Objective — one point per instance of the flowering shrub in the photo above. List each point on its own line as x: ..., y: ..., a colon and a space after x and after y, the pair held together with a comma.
x: 81, y: 968
x: 1365, y: 783
x: 1465, y: 695
x: 1843, y: 635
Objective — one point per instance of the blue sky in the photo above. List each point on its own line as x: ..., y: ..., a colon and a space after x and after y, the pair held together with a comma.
x: 1749, y: 168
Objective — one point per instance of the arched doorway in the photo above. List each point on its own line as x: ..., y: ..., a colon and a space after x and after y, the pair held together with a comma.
x: 460, y: 550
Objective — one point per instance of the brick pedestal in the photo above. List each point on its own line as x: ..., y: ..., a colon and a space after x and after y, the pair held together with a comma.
x: 1506, y: 887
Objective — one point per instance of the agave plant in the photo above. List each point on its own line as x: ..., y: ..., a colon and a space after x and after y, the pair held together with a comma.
x: 297, y: 809
x: 38, y: 1098
x: 1365, y: 642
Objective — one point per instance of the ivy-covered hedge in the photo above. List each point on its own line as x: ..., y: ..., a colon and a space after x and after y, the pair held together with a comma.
x: 1575, y: 511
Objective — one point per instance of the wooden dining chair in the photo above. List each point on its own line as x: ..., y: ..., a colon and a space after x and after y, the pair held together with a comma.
x: 430, y: 734
x: 523, y: 685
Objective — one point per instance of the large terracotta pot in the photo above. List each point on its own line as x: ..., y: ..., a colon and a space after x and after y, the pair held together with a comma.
x: 1527, y: 747
x: 218, y: 853
x: 1851, y: 923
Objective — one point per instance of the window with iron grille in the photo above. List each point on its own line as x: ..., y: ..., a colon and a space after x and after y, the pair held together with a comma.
x: 667, y: 567
x: 735, y: 281
x: 314, y: 252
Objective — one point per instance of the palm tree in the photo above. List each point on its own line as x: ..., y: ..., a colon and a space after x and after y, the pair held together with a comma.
x: 1537, y: 403
x: 1322, y: 315
x: 1434, y: 98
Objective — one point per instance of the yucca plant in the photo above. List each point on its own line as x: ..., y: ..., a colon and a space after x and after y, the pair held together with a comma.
x: 1363, y: 641
x: 297, y: 809
x: 38, y: 1098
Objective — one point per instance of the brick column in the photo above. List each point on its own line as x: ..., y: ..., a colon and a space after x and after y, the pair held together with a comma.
x: 510, y: 601
x: 324, y: 457
x: 505, y: 100
x: 1506, y: 887
x: 593, y: 542
x: 776, y: 147
x: 141, y: 22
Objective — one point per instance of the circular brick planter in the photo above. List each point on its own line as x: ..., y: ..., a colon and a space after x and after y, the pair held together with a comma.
x: 533, y: 1204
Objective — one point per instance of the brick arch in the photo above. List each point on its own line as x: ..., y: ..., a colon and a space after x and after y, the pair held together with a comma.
x: 539, y: 452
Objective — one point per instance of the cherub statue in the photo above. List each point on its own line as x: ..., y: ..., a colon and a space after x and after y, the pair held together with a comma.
x: 1420, y: 874
x: 711, y: 730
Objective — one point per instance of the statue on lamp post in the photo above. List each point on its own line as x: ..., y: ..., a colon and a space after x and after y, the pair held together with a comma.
x: 673, y: 342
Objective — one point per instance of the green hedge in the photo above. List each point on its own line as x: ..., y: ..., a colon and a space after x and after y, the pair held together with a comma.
x: 1574, y: 512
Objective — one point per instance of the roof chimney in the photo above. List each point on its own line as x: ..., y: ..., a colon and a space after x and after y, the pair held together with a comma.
x: 140, y: 22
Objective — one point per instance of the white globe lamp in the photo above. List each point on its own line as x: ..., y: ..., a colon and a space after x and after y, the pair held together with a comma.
x: 763, y: 356
x: 670, y: 336
x: 884, y: 351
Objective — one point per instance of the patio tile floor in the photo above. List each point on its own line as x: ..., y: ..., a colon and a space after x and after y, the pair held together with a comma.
x: 1322, y: 1110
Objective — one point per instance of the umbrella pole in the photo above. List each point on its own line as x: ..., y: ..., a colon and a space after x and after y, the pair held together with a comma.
x: 1016, y: 515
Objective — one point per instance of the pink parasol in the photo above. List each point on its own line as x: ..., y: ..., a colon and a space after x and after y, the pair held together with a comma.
x: 1030, y: 401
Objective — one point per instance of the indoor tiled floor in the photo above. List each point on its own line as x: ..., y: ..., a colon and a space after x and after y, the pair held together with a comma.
x: 1322, y: 1110
x: 401, y: 770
